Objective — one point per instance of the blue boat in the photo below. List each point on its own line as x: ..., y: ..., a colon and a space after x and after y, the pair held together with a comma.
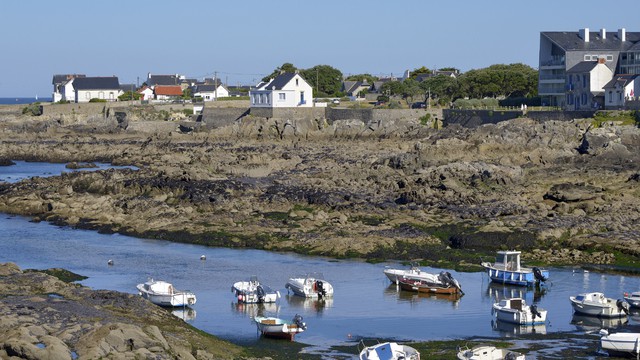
x: 507, y: 270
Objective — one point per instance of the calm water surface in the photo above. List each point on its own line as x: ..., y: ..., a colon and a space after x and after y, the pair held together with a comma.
x: 23, y: 170
x: 365, y: 303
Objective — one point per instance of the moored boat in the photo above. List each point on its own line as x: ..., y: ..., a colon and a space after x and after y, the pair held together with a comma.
x: 164, y: 294
x: 620, y: 343
x: 488, y: 352
x: 516, y: 311
x: 253, y: 292
x: 445, y: 284
x: 596, y: 304
x: 507, y: 269
x: 413, y: 272
x: 388, y: 351
x: 633, y: 299
x: 279, y: 328
x: 310, y: 285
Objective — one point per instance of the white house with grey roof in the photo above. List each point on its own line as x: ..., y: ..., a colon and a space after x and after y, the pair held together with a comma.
x: 286, y: 90
x: 104, y: 88
x: 585, y: 85
x: 562, y: 51
x: 62, y: 86
x: 621, y: 89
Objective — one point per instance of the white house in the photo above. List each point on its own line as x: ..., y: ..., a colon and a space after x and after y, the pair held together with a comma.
x: 61, y: 85
x: 87, y: 88
x: 585, y: 85
x: 621, y: 89
x: 210, y: 92
x: 286, y: 90
x: 146, y: 93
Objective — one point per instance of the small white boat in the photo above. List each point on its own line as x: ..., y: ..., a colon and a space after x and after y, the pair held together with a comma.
x: 596, y: 304
x: 279, y: 328
x: 633, y: 299
x: 517, y: 311
x: 620, y: 344
x: 508, y: 270
x: 388, y: 351
x: 310, y: 285
x: 253, y: 292
x: 164, y: 294
x: 487, y: 352
x: 413, y: 272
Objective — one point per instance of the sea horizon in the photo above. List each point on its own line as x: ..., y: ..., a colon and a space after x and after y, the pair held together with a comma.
x: 22, y: 100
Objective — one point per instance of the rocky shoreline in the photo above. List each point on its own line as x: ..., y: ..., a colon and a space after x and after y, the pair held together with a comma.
x: 42, y: 317
x: 567, y: 190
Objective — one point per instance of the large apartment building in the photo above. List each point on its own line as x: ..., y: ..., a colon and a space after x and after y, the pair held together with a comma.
x: 578, y: 58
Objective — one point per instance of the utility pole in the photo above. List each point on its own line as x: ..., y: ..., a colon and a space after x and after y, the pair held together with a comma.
x: 429, y: 99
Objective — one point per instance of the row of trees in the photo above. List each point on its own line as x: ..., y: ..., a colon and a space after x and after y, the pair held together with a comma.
x: 495, y: 81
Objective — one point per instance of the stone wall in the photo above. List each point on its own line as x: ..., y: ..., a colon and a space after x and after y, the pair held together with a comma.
x: 474, y: 118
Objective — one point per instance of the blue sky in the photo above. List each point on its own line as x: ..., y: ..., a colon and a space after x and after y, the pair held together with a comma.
x: 245, y: 40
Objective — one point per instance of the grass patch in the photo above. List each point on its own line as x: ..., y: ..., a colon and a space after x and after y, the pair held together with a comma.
x: 62, y: 274
x: 621, y: 117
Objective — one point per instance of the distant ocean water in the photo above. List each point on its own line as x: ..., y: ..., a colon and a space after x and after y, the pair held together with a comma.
x: 22, y: 100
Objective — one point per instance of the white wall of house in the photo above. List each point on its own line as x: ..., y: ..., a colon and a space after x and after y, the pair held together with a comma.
x: 220, y: 92
x: 84, y: 96
x: 600, y: 76
x: 67, y: 92
x: 147, y: 94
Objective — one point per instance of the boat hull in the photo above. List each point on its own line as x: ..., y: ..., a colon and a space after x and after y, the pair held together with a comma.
x: 278, y: 328
x: 395, y: 275
x: 633, y: 300
x: 169, y: 298
x: 428, y: 288
x: 596, y: 309
x: 309, y: 288
x: 485, y: 352
x: 524, y: 277
x: 621, y: 344
x: 252, y: 293
x: 389, y: 351
x: 520, y: 317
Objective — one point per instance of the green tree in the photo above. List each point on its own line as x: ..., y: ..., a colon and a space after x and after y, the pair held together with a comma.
x: 362, y: 77
x: 391, y: 88
x: 411, y: 88
x: 419, y: 71
x: 130, y: 95
x: 441, y: 88
x: 186, y: 93
x: 325, y: 80
x: 514, y: 80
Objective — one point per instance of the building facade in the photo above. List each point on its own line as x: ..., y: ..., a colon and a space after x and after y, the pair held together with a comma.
x: 286, y: 90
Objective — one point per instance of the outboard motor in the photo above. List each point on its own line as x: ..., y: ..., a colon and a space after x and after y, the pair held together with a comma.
x: 538, y: 275
x: 260, y: 292
x: 321, y: 290
x: 622, y: 305
x: 447, y: 280
x: 298, y: 321
x: 535, y: 312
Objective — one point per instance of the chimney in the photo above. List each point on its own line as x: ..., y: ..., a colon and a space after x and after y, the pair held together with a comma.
x: 622, y: 34
x: 603, y: 34
x: 584, y: 34
x: 602, y: 60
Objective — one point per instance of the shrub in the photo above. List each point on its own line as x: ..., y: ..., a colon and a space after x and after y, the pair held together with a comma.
x: 33, y: 109
x: 96, y: 100
x: 424, y: 120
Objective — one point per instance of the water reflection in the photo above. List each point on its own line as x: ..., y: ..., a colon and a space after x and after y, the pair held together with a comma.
x: 394, y: 291
x: 315, y: 304
x: 509, y: 330
x: 186, y: 313
x: 252, y: 310
x: 531, y: 295
x: 594, y: 324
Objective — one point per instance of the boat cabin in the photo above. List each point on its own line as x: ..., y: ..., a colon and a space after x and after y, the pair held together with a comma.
x: 508, y: 260
x: 514, y: 304
x: 159, y: 287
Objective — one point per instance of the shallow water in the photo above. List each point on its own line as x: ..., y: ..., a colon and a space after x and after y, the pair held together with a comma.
x: 365, y: 304
x: 25, y: 169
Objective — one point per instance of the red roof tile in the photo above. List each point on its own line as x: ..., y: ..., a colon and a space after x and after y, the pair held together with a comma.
x: 168, y: 90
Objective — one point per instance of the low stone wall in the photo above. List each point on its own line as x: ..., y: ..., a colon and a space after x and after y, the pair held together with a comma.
x: 474, y: 118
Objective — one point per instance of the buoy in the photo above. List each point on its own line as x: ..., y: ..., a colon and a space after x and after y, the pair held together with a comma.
x: 110, y: 262
x: 202, y: 257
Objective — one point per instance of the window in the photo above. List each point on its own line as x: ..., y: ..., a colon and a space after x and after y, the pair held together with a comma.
x: 587, y: 57
x: 610, y: 96
x: 584, y: 99
x: 609, y: 57
x: 296, y: 82
x: 282, y: 96
x: 584, y: 80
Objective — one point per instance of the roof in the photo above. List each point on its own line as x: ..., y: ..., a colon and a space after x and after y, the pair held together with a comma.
x: 162, y: 80
x: 96, y: 83
x: 621, y: 80
x: 571, y: 40
x: 171, y: 90
x: 278, y: 83
x: 583, y: 67
x: 61, y: 78
x: 205, y: 88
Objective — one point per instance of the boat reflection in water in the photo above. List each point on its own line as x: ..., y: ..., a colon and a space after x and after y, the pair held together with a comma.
x: 317, y: 304
x: 531, y: 295
x: 256, y: 309
x: 185, y: 313
x: 593, y: 323
x: 394, y: 290
x: 513, y: 330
